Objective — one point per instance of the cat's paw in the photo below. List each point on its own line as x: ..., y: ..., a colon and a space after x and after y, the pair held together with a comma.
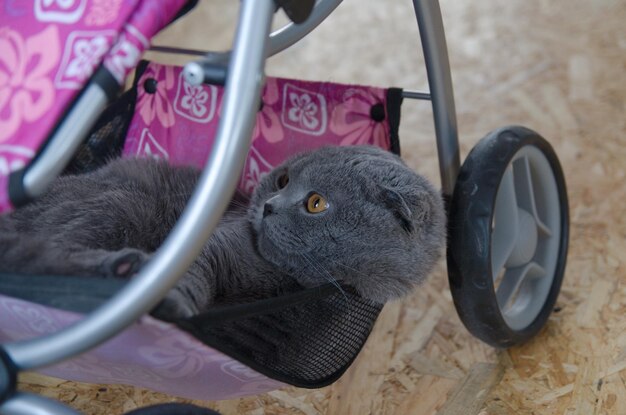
x: 175, y: 306
x: 124, y: 263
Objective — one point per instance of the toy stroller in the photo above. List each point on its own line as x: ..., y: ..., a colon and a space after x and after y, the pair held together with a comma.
x: 508, y: 212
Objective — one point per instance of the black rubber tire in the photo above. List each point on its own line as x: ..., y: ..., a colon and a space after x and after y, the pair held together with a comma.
x: 469, y: 227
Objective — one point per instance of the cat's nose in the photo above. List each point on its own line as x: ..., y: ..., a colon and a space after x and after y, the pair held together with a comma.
x: 268, y: 209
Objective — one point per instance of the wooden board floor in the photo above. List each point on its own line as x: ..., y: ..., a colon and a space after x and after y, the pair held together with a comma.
x: 558, y: 67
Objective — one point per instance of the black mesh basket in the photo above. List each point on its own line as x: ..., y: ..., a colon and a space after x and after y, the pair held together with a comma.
x: 306, y: 339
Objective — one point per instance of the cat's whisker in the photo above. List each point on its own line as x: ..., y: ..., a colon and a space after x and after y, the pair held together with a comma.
x: 321, y: 269
x: 230, y: 219
x: 325, y: 274
x: 239, y: 204
x: 349, y: 268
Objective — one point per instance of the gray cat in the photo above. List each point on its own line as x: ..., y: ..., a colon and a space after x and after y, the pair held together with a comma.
x: 357, y: 215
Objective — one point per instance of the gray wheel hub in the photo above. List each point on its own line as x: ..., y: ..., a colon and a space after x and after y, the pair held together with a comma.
x: 525, y: 237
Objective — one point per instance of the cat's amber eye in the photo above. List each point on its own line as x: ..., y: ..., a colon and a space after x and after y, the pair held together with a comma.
x: 316, y: 204
x: 282, y: 180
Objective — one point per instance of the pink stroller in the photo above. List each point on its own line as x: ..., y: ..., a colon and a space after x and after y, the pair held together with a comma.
x: 61, y: 67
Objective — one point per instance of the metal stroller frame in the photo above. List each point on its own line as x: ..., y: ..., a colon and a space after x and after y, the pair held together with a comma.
x: 244, y: 76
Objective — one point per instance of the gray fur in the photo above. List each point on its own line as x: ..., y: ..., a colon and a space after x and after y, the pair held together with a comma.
x: 382, y: 233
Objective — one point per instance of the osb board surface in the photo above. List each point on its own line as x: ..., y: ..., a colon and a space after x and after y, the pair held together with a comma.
x: 558, y: 67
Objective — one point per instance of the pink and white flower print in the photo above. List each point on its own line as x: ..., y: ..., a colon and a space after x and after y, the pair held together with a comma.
x: 268, y: 125
x: 59, y: 11
x: 150, y: 147
x: 254, y: 170
x: 304, y: 111
x: 87, y: 53
x: 126, y: 53
x: 26, y: 89
x: 157, y: 104
x: 195, y: 102
x: 352, y: 118
x: 83, y: 52
x: 103, y: 12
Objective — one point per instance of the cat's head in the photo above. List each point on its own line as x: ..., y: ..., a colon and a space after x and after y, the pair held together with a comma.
x: 356, y: 214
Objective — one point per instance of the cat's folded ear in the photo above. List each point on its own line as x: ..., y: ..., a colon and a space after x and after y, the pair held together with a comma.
x: 408, y: 207
x: 396, y: 203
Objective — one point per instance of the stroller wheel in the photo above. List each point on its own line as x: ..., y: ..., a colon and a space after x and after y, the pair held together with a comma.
x: 509, y: 227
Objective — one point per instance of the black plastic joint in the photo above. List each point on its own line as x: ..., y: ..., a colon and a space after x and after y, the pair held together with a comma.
x: 107, y: 82
x: 8, y: 376
x: 17, y: 192
x: 211, y: 71
x: 297, y: 10
x: 215, y: 73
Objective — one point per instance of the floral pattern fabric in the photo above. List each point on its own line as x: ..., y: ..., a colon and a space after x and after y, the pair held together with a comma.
x: 48, y: 51
x: 178, y: 122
